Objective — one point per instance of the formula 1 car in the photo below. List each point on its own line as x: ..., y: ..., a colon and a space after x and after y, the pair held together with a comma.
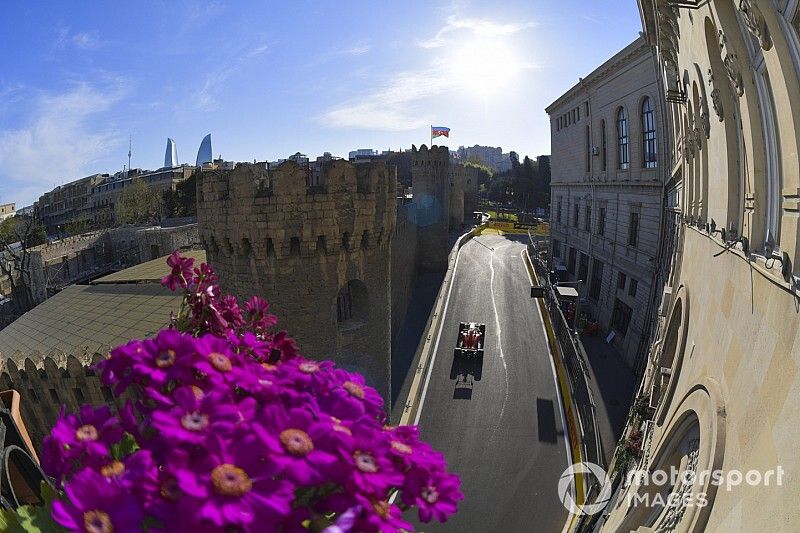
x: 470, y: 339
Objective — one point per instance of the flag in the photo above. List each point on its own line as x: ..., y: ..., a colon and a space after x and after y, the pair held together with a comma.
x: 439, y: 131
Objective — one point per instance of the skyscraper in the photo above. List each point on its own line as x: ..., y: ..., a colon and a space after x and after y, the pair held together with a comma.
x: 204, y: 153
x: 171, y: 155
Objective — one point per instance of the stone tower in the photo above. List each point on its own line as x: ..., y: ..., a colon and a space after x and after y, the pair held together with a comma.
x: 319, y: 253
x: 431, y: 182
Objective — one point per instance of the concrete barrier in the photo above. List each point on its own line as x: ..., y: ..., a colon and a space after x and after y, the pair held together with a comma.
x: 429, y: 337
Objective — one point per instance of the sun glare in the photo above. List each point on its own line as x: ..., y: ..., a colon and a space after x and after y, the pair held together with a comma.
x: 484, y: 67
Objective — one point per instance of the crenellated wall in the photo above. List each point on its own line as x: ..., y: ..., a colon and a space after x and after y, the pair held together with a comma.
x: 320, y: 255
x: 46, y: 382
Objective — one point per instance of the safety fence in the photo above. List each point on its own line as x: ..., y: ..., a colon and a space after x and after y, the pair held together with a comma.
x: 574, y: 359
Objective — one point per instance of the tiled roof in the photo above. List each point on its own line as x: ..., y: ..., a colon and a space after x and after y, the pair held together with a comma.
x: 86, y: 318
x: 151, y: 271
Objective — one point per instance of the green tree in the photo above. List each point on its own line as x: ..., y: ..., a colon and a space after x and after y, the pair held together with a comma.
x: 138, y: 204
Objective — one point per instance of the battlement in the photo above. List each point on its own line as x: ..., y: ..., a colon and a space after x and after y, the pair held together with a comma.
x: 433, y: 156
x: 277, y: 214
x: 47, y: 382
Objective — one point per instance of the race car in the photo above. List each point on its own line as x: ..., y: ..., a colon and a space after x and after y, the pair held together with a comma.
x: 470, y: 339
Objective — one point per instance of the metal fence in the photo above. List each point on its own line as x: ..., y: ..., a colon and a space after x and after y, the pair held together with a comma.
x: 573, y: 356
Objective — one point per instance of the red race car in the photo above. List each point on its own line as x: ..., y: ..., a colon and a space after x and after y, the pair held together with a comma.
x: 470, y: 339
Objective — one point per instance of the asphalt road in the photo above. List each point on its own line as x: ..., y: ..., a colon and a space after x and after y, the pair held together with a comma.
x: 498, y: 423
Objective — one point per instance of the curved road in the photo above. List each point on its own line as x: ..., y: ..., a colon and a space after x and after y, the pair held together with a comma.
x: 498, y: 423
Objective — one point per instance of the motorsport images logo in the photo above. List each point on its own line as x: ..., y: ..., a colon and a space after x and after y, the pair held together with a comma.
x: 566, y: 491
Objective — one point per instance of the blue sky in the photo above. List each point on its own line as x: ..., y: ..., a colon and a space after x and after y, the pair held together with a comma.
x: 268, y: 80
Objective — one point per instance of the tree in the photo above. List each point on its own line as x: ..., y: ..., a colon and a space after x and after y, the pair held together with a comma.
x: 18, y: 235
x: 138, y: 204
x: 182, y: 202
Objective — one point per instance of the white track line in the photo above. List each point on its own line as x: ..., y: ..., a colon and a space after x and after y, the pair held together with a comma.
x: 499, y: 340
x: 438, y: 337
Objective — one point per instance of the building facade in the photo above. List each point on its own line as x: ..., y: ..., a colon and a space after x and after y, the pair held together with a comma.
x: 7, y: 211
x: 608, y: 169
x: 723, y: 379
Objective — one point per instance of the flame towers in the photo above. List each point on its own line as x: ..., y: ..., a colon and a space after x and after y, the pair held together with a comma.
x: 204, y: 153
x: 171, y: 155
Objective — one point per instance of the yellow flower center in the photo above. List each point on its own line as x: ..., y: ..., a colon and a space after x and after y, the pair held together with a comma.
x: 401, y: 447
x: 220, y: 362
x: 230, y: 480
x: 113, y: 469
x: 354, y: 389
x: 430, y: 494
x: 166, y: 358
x: 308, y: 367
x: 86, y: 432
x: 296, y: 442
x: 97, y: 522
x: 365, y: 462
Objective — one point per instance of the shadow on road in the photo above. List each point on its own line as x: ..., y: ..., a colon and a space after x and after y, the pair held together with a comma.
x: 546, y: 420
x: 466, y: 371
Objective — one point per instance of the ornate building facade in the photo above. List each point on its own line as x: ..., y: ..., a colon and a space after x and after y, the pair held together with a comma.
x: 608, y: 168
x: 722, y: 386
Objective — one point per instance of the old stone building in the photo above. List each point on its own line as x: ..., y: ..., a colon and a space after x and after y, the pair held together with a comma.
x: 723, y: 377
x: 320, y: 255
x: 608, y: 139
x: 337, y: 258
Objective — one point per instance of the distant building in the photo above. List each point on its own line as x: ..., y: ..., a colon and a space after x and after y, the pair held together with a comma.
x: 171, y: 155
x: 204, y: 153
x: 488, y: 155
x: 363, y: 154
x: 67, y: 203
x: 608, y: 138
x: 27, y: 211
x: 6, y: 211
x: 106, y: 193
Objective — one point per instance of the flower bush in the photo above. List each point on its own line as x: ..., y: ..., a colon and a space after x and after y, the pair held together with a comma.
x: 228, y: 428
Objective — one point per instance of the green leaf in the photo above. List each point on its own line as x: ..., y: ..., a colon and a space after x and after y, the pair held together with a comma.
x: 31, y: 518
x: 125, y: 447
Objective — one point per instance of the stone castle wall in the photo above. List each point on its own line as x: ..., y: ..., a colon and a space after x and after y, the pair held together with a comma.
x: 320, y: 255
x: 430, y: 169
x: 404, y: 268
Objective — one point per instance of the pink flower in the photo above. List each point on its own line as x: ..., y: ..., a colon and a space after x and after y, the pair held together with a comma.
x: 305, y: 455
x: 181, y: 272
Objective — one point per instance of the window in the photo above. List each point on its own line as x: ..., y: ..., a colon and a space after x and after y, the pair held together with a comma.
x: 587, y: 219
x: 558, y: 211
x: 556, y: 248
x: 344, y: 305
x: 588, y: 150
x: 621, y: 281
x: 575, y: 215
x: 632, y: 286
x: 622, y: 139
x: 648, y: 135
x: 571, y: 261
x: 579, y: 112
x: 601, y: 221
x: 586, y: 108
x: 603, y: 145
x: 597, y: 280
x: 633, y: 230
x: 621, y: 318
x: 583, y: 268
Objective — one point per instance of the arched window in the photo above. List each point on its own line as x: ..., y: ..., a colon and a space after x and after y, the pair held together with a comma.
x: 648, y: 135
x: 622, y: 139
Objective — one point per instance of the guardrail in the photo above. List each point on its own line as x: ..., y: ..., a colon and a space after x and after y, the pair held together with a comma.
x: 573, y: 356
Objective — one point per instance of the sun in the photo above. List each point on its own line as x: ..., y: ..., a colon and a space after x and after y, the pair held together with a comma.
x: 483, y: 67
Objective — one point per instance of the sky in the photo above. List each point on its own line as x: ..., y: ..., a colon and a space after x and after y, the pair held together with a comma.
x: 80, y: 80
